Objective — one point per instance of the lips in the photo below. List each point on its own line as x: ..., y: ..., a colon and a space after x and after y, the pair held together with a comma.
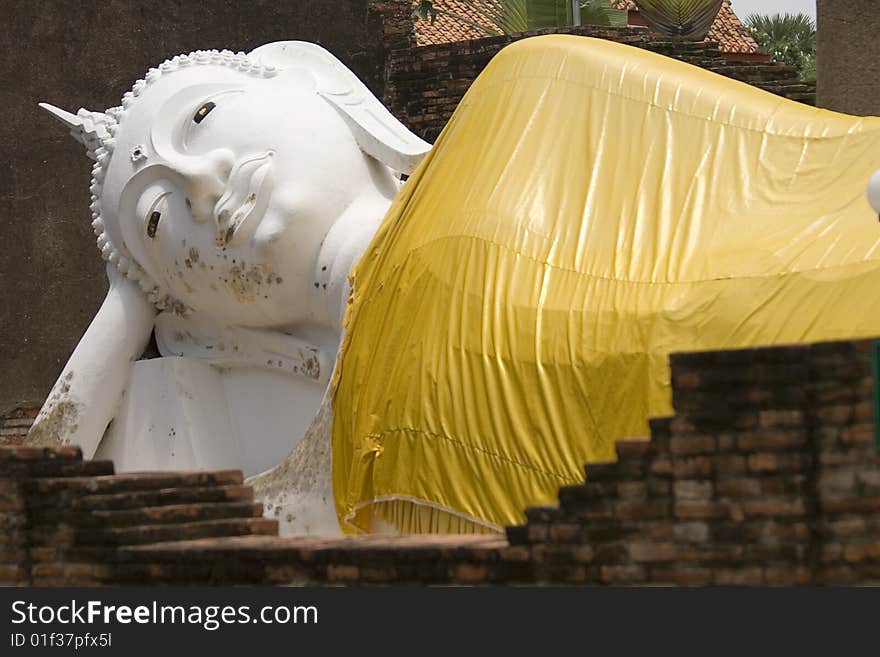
x: 243, y: 204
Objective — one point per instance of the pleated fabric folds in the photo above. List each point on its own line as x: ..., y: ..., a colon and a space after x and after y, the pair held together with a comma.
x: 589, y: 208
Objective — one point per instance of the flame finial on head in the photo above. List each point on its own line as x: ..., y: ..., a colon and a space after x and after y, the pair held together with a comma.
x: 87, y: 127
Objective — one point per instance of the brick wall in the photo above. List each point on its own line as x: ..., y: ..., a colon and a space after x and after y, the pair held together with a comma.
x: 15, y: 424
x: 424, y: 85
x: 63, y: 520
x: 767, y: 474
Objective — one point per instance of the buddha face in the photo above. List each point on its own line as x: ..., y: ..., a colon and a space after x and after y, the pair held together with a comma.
x: 223, y: 186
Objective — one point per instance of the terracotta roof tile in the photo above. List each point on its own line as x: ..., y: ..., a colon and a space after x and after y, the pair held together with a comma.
x: 446, y: 29
x: 731, y: 35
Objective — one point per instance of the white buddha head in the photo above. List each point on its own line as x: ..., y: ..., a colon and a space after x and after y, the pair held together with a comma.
x: 219, y: 177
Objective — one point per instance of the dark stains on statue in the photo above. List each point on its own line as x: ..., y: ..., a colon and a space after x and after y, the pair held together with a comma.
x: 312, y: 365
x: 193, y: 258
x: 249, y: 282
x: 58, y: 418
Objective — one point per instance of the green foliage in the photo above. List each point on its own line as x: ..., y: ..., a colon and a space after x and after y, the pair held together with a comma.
x: 494, y: 17
x: 602, y: 12
x: 787, y: 38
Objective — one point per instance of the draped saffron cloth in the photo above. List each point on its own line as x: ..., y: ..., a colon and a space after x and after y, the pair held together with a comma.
x: 588, y: 209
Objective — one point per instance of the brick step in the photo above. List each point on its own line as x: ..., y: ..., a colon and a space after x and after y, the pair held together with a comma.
x: 19, y: 461
x: 134, y: 482
x: 158, y: 515
x: 181, y: 531
x: 71, y: 469
x: 164, y: 497
x: 543, y: 513
x: 28, y: 453
x: 61, y: 469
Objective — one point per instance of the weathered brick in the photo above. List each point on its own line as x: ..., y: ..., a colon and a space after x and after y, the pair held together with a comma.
x: 776, y: 462
x: 846, y: 526
x: 564, y: 533
x: 631, y: 574
x: 773, y: 507
x: 692, y: 444
x: 730, y: 464
x: 680, y: 576
x: 861, y: 551
x: 836, y: 414
x: 772, y: 418
x: 787, y: 530
x: 772, y: 440
x: 869, y: 480
x: 748, y: 576
x: 632, y: 490
x: 738, y: 487
x: 837, y: 481
x: 651, y: 552
x: 471, y: 573
x: 342, y: 572
x: 651, y: 510
x: 851, y: 504
x: 694, y: 466
x: 858, y: 434
x: 692, y: 532
x: 791, y: 576
x: 700, y: 509
x: 692, y: 489
x: 538, y: 533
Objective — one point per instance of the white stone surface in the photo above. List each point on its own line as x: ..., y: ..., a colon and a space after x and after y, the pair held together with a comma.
x: 231, y: 194
x: 185, y: 414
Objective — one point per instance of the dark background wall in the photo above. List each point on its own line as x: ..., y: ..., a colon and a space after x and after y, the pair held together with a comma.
x: 848, y: 56
x: 87, y: 54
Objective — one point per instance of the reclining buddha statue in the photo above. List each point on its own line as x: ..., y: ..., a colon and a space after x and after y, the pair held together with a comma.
x: 436, y: 356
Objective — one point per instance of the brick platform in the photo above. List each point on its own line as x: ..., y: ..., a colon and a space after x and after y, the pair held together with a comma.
x: 768, y: 474
x: 65, y: 519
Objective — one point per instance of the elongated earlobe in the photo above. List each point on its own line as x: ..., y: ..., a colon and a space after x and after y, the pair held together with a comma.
x: 377, y: 132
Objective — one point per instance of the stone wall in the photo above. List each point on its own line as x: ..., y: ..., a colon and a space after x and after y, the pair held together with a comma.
x: 424, y: 85
x: 767, y: 474
x: 848, y: 56
x: 87, y: 54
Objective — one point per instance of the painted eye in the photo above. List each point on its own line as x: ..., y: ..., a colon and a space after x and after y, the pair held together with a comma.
x: 153, y: 224
x: 203, y: 111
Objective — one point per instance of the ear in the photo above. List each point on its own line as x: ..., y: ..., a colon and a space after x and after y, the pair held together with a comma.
x: 377, y: 132
x: 87, y: 394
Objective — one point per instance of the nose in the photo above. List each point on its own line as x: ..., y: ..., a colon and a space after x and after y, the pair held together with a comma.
x: 244, y: 198
x: 207, y: 177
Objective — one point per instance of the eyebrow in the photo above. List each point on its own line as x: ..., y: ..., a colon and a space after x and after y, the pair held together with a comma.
x: 207, y: 105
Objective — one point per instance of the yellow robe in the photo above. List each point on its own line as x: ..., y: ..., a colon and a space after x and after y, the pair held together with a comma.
x: 589, y: 208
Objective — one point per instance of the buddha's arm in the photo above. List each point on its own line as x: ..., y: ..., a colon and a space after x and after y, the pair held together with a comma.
x: 86, y: 395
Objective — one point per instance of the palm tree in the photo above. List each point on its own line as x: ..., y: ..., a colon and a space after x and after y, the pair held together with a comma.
x: 787, y: 38
x: 494, y: 17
